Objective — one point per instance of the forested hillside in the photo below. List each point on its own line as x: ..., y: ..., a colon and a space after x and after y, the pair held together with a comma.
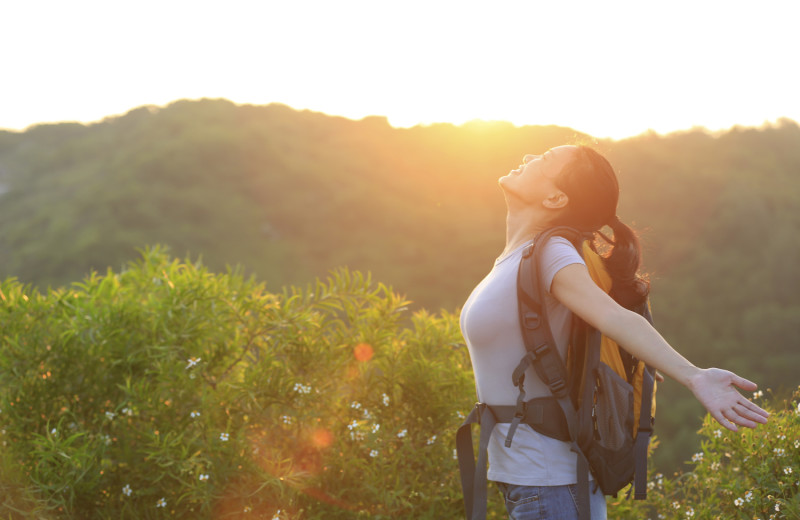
x: 289, y: 195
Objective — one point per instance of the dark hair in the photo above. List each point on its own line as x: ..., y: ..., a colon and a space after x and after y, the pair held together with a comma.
x: 590, y: 183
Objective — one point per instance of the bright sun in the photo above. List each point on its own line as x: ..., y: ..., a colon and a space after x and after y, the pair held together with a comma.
x: 609, y: 70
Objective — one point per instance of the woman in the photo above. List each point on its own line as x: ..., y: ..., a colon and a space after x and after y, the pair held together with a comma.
x: 573, y: 186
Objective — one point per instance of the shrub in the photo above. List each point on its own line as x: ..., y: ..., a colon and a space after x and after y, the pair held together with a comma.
x: 745, y: 475
x: 166, y: 390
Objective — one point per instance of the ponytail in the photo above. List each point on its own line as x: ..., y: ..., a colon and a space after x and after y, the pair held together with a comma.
x: 590, y: 184
x: 622, y: 263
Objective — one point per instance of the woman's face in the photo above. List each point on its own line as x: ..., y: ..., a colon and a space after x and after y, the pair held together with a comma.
x: 534, y: 180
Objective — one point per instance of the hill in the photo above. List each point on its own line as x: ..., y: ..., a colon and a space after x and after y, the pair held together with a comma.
x: 289, y: 195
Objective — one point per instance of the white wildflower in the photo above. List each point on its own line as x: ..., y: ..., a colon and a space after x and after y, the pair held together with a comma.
x: 110, y: 416
x: 697, y: 457
x: 247, y: 509
x: 797, y: 444
x: 717, y: 433
x: 276, y: 516
x: 460, y: 415
x: 787, y: 470
x: 127, y: 411
x: 373, y: 453
x: 689, y: 512
x: 203, y: 477
x: 194, y: 415
x: 355, y: 405
x: 715, y: 466
x: 223, y: 437
x: 286, y: 419
x: 302, y: 389
x: 455, y: 454
x: 402, y: 433
x: 106, y: 439
x: 780, y: 452
x: 127, y: 490
x: 385, y: 399
x: 758, y: 394
x: 676, y: 505
x: 353, y: 425
x: 431, y: 440
x: 748, y: 496
x: 192, y: 361
x: 738, y: 502
x: 161, y: 502
x: 375, y: 428
x: 54, y: 432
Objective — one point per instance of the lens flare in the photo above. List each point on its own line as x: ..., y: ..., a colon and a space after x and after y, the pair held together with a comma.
x: 363, y: 352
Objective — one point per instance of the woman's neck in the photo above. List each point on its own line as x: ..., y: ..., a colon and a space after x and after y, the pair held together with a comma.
x: 521, y: 228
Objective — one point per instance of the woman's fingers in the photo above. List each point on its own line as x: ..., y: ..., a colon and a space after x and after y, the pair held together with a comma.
x: 761, y: 415
x: 744, y: 384
x: 720, y: 418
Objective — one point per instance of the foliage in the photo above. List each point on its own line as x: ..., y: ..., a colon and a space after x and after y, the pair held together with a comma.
x: 753, y: 473
x: 167, y: 384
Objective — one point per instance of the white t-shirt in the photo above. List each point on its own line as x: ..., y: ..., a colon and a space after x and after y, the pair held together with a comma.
x: 490, y: 325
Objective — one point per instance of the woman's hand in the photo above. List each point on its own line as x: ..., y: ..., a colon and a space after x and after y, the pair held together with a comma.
x: 715, y: 389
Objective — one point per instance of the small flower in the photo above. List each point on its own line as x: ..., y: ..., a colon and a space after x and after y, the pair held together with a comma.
x: 385, y: 399
x: 223, y: 437
x: 192, y: 361
x: 402, y: 433
x: 715, y: 466
x: 431, y: 440
x: 106, y: 440
x: 367, y: 416
x: 787, y: 470
x: 780, y: 452
x: 738, y: 502
x: 286, y: 419
x: 161, y: 502
x: 460, y: 415
x: 302, y: 389
x: 689, y: 512
x: 203, y: 477
x: 194, y: 415
x: 777, y: 507
x: 247, y: 509
x: 127, y: 490
x: 676, y: 505
x: 276, y: 516
x: 355, y: 405
x: 373, y: 453
x: 748, y: 496
x: 54, y: 432
x: 127, y: 411
x: 455, y: 454
x: 717, y: 433
x: 353, y: 425
x: 697, y: 457
x: 797, y: 444
x: 375, y: 428
x: 110, y: 416
x: 758, y: 394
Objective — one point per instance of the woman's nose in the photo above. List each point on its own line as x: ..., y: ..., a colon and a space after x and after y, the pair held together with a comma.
x: 529, y: 157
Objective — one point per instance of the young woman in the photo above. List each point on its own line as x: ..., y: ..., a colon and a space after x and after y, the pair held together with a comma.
x: 577, y: 187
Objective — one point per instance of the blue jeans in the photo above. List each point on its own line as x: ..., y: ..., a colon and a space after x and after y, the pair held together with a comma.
x: 549, y: 502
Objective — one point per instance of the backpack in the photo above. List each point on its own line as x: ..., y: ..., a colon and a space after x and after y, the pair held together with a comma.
x: 602, y: 403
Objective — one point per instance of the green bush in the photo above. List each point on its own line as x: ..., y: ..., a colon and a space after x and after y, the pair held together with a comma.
x: 168, y: 390
x: 745, y: 475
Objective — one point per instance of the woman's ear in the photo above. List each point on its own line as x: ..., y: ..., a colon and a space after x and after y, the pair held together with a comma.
x: 556, y: 200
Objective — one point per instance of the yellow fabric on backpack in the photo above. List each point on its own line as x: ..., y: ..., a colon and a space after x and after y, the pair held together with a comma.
x: 608, y: 347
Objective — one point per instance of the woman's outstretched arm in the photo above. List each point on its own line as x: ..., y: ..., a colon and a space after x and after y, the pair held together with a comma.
x: 713, y: 387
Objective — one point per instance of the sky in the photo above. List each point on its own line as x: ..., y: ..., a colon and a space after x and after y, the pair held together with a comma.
x: 607, y: 68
